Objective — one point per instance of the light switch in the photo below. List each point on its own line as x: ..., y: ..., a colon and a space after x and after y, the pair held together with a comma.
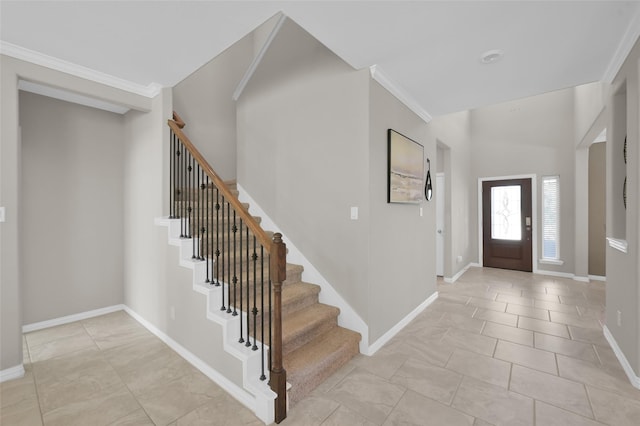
x: 354, y: 213
x: 2, y: 219
x: 420, y: 211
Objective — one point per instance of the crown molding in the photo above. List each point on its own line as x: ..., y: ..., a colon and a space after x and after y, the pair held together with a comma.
x: 256, y: 61
x: 37, y: 58
x: 65, y: 95
x: 624, y: 48
x: 399, y: 93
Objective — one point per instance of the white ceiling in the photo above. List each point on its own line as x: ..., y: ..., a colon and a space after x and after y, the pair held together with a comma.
x: 428, y: 50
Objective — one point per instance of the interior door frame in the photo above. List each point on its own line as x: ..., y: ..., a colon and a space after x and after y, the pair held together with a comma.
x: 534, y: 216
x: 440, y: 177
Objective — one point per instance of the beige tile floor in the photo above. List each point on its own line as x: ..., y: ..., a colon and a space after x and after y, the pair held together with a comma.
x: 497, y: 347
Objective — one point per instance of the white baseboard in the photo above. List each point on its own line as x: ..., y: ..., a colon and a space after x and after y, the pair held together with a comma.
x: 460, y: 272
x: 348, y: 317
x: 555, y: 274
x: 254, y: 393
x: 400, y: 325
x: 71, y: 318
x: 236, y: 391
x: 569, y: 275
x: 633, y: 378
x: 12, y: 373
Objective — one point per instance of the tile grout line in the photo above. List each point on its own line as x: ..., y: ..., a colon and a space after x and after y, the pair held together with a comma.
x: 33, y: 376
x: 103, y: 356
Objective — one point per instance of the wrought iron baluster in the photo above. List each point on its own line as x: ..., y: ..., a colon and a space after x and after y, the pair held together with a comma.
x: 270, y: 315
x: 203, y: 208
x: 172, y: 188
x: 241, y: 340
x: 248, y: 341
x: 217, y: 253
x: 234, y: 229
x: 254, y: 311
x: 262, y: 377
x: 207, y: 224
x: 223, y: 257
x: 191, y: 206
x: 181, y: 168
x: 196, y: 209
x: 229, y: 279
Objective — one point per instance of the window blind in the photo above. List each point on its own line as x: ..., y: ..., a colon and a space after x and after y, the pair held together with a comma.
x: 550, y: 217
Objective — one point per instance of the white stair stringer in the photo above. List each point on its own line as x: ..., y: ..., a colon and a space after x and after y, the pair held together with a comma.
x: 261, y: 394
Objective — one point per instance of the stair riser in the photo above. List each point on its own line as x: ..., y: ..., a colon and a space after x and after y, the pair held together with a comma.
x: 291, y: 343
x: 302, y: 385
x: 293, y: 276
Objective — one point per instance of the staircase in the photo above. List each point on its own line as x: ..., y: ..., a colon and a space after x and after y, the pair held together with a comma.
x: 239, y: 258
x: 314, y: 345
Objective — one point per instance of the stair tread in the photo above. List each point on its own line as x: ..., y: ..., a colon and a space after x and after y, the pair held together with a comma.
x: 306, y: 359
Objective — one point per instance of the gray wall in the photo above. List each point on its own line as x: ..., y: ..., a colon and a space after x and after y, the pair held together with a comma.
x: 311, y: 145
x: 10, y: 183
x: 597, y: 209
x: 530, y: 136
x: 303, y: 155
x: 204, y: 101
x: 452, y: 134
x: 401, y: 263
x: 72, y: 208
x: 623, y: 269
x: 153, y: 280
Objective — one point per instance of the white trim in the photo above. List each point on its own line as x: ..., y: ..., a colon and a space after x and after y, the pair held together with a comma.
x: 399, y: 93
x: 460, y: 272
x: 400, y: 325
x: 71, y: 318
x: 620, y: 245
x: 633, y: 378
x: 65, y: 95
x: 581, y: 279
x: 551, y: 261
x: 236, y: 391
x: 555, y: 274
x: 12, y: 373
x: 624, y: 48
x: 28, y: 55
x: 602, y: 137
x: 256, y: 61
x: 348, y: 317
x: 261, y: 409
x: 597, y: 278
x: 534, y: 215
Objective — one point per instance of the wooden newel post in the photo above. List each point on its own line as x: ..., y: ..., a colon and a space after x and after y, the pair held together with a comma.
x: 278, y: 376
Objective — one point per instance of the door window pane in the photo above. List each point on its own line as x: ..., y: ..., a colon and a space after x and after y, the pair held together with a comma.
x: 506, y: 221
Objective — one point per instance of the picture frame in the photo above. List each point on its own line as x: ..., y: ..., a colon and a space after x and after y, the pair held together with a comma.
x: 405, y: 169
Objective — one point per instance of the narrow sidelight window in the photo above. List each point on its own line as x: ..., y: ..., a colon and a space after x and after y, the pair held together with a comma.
x: 551, y: 217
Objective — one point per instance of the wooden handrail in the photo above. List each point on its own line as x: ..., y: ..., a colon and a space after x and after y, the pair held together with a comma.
x: 179, y: 121
x: 251, y: 223
x: 275, y: 248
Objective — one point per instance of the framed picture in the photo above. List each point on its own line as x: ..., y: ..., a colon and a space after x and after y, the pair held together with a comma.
x: 405, y: 169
